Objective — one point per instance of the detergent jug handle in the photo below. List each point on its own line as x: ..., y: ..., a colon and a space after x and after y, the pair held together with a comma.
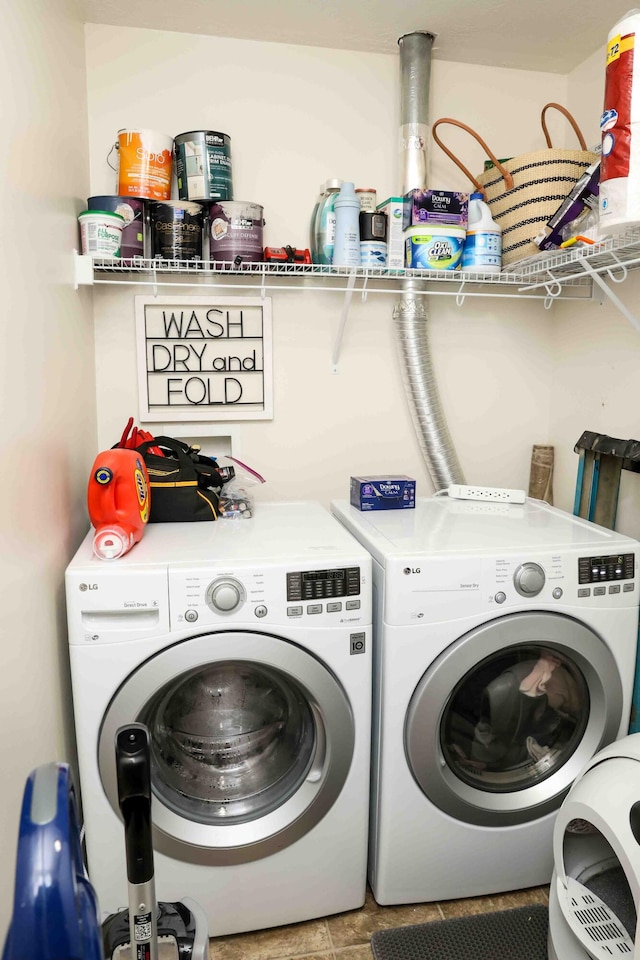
x: 55, y: 912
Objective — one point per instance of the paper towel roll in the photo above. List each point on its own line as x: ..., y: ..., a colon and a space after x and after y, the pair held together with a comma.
x: 620, y: 128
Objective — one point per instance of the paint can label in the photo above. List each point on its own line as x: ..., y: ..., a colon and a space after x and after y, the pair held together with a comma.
x: 145, y: 159
x: 235, y: 230
x: 203, y: 166
x: 176, y: 230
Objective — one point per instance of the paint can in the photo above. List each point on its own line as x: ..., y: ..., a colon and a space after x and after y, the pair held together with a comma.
x: 100, y: 233
x: 145, y: 162
x: 176, y: 228
x: 235, y: 230
x: 203, y: 165
x: 132, y: 209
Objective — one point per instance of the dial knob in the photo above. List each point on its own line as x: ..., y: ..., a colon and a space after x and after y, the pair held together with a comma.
x: 529, y: 579
x: 225, y: 595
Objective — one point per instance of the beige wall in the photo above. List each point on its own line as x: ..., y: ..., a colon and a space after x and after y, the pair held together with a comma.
x: 297, y: 116
x: 46, y: 388
x: 595, y: 350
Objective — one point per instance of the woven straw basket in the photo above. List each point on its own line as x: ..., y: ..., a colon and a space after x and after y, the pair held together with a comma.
x: 523, y: 193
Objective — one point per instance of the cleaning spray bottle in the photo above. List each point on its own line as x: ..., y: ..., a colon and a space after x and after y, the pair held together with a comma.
x: 118, y: 501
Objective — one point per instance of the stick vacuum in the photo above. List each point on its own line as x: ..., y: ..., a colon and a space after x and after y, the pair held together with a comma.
x: 147, y: 930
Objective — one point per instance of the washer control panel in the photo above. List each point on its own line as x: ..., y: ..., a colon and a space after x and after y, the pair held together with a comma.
x: 619, y: 566
x: 269, y: 594
x: 323, y: 584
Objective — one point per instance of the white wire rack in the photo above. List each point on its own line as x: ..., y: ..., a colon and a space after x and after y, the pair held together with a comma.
x: 570, y: 274
x: 294, y: 276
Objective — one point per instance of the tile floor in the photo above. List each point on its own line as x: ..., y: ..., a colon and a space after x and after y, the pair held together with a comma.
x: 346, y: 936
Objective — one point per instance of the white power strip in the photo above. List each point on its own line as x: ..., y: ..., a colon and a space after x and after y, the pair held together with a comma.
x: 459, y: 491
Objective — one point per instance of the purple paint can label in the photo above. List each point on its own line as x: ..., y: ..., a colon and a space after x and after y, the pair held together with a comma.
x: 235, y: 230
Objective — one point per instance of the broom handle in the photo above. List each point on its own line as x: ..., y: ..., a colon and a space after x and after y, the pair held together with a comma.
x: 565, y: 112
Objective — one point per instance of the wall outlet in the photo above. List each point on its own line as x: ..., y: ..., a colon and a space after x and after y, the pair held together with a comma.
x: 459, y: 491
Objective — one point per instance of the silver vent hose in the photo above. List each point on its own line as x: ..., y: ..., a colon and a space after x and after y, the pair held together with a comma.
x: 410, y: 313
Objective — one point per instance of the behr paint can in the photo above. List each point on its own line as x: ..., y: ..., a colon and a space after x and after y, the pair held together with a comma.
x: 203, y: 165
x: 133, y: 232
x: 176, y: 227
x: 235, y: 230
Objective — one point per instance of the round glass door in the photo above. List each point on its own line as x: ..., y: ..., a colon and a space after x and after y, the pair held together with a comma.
x: 515, y: 718
x: 230, y: 742
x: 252, y: 739
x: 504, y: 720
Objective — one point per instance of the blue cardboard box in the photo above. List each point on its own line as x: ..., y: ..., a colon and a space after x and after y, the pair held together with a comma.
x: 383, y: 493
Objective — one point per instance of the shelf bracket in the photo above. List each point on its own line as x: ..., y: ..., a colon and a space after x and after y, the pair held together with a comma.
x: 82, y: 270
x: 343, y: 321
x: 263, y: 283
x: 615, y: 300
x: 460, y: 295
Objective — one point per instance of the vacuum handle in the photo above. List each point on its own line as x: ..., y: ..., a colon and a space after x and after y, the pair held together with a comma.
x: 133, y: 771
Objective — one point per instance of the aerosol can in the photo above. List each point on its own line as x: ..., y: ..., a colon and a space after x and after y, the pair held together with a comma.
x: 118, y: 501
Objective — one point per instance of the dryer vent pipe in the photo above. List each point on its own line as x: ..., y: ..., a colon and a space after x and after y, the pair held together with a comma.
x: 410, y: 314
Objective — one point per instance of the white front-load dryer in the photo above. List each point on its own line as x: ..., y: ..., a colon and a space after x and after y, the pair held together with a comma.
x: 245, y: 647
x: 504, y: 654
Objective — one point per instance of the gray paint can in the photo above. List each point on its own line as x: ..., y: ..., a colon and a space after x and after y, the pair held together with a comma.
x: 203, y: 165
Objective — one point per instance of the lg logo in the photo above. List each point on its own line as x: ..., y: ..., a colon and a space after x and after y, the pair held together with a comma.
x: 88, y: 586
x: 408, y: 570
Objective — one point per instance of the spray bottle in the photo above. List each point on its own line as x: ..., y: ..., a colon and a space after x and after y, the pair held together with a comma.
x: 118, y: 501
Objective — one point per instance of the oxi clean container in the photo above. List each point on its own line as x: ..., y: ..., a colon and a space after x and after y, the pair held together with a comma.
x: 101, y: 233
x: 429, y: 247
x: 144, y: 164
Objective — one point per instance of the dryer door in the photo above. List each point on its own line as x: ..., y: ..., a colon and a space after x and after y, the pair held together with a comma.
x: 251, y: 742
x: 504, y: 720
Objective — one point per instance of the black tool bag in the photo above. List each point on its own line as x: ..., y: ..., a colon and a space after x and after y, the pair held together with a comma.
x: 183, y: 483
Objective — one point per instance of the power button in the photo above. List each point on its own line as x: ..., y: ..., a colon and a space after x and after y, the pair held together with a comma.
x: 191, y: 616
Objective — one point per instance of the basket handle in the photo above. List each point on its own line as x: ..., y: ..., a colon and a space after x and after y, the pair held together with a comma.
x: 508, y: 179
x: 572, y: 121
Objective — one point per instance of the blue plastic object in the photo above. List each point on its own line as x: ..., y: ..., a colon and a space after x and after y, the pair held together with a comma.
x: 55, y: 911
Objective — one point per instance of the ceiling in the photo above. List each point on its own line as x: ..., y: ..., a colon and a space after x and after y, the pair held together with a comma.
x: 547, y: 35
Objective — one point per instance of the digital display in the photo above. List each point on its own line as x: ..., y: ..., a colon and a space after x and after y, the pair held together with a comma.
x: 323, y: 575
x: 323, y: 584
x: 606, y: 568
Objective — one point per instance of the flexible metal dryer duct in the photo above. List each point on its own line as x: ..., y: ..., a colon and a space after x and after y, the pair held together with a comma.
x: 410, y: 314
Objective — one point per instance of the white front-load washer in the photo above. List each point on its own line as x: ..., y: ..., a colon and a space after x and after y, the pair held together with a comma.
x: 245, y: 647
x: 504, y: 653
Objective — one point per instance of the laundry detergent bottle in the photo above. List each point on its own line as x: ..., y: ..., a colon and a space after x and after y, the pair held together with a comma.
x: 483, y: 243
x: 118, y: 501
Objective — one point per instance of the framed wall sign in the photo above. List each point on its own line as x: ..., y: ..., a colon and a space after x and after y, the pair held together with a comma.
x: 204, y: 358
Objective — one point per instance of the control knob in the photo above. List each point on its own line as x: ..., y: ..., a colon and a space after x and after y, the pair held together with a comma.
x: 225, y: 595
x: 529, y: 579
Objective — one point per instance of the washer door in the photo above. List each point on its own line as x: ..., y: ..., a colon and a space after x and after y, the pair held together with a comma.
x: 251, y: 742
x: 504, y: 720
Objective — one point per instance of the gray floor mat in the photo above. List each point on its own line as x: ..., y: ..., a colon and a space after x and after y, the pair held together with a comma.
x: 518, y: 934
